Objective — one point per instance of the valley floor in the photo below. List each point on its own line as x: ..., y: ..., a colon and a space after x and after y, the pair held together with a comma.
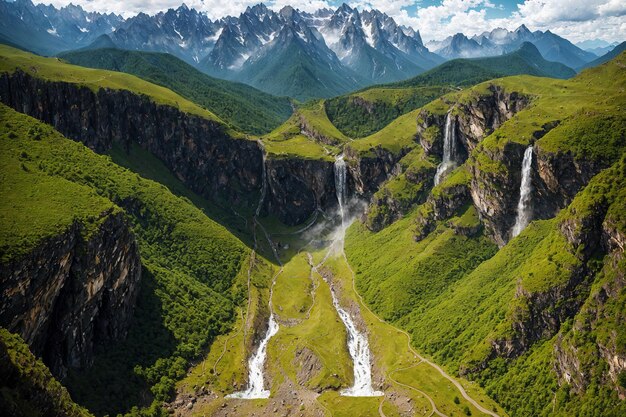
x: 308, y: 360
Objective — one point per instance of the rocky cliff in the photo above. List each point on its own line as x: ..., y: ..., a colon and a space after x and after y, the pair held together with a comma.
x: 198, y: 151
x: 73, y: 292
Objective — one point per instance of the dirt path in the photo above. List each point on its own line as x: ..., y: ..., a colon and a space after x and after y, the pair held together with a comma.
x: 437, y: 367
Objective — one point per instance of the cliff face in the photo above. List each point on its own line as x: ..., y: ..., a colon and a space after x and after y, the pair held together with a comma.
x: 495, y: 188
x: 482, y: 115
x: 196, y: 150
x: 368, y: 172
x: 71, y: 293
x: 297, y: 187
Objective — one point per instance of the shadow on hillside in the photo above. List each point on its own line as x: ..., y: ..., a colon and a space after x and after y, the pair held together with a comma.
x: 236, y: 219
x: 111, y: 385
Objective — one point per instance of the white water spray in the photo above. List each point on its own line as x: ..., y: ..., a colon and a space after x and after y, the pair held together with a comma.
x: 256, y: 388
x: 358, y: 346
x: 449, y: 151
x: 524, y: 206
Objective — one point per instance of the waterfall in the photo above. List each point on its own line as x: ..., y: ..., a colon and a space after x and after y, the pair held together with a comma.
x: 256, y: 362
x: 340, y: 183
x: 449, y: 150
x: 358, y: 346
x: 340, y: 190
x: 256, y: 388
x: 359, y: 350
x: 524, y: 206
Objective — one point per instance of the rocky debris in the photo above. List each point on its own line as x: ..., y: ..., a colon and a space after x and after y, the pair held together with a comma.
x: 73, y: 292
x: 308, y: 365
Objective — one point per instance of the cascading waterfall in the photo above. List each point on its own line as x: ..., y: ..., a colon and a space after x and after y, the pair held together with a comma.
x: 256, y: 388
x: 358, y: 346
x: 359, y: 350
x: 449, y: 150
x: 524, y: 206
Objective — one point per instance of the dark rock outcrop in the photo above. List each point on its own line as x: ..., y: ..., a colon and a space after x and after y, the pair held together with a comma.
x: 367, y: 172
x: 481, y: 116
x: 495, y: 188
x: 197, y: 150
x: 297, y: 187
x: 73, y: 292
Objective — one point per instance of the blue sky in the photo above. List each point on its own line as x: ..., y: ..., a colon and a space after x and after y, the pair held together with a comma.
x: 576, y: 20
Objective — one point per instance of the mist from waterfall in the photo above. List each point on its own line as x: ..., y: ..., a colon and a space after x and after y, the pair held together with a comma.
x: 358, y: 346
x: 524, y: 205
x: 449, y: 150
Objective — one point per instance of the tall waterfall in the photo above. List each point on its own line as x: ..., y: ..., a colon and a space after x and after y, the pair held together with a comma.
x: 256, y: 362
x: 340, y: 183
x: 524, y: 206
x: 358, y: 346
x: 449, y: 150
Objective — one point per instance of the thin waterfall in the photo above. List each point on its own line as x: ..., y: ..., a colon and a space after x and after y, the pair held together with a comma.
x: 449, y: 150
x: 524, y: 206
x: 358, y: 346
x: 256, y: 388
x: 340, y: 183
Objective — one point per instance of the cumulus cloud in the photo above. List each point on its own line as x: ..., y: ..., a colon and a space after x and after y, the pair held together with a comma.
x: 576, y: 20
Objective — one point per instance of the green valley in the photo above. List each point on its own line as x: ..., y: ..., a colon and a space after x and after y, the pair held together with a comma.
x: 176, y: 244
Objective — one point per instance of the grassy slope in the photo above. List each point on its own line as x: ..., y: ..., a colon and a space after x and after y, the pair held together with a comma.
x: 53, y: 69
x: 455, y: 319
x: 392, y: 100
x: 193, y: 268
x: 28, y: 389
x: 246, y: 108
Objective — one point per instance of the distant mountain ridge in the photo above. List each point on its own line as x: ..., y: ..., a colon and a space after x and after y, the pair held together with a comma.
x: 288, y: 52
x: 500, y: 41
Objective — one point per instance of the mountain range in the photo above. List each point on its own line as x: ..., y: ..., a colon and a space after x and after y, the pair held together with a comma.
x: 500, y: 41
x: 286, y: 53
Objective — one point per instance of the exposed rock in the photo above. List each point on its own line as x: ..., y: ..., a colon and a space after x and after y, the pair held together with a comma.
x: 367, y: 172
x: 197, y: 150
x: 495, y: 188
x: 308, y: 365
x: 72, y: 293
x: 482, y: 115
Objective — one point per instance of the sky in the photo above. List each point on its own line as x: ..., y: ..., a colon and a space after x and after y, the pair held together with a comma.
x: 576, y: 20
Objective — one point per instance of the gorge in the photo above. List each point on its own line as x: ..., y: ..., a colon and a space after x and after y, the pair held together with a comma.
x: 464, y: 257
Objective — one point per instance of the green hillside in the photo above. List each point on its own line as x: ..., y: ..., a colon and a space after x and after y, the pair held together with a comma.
x: 461, y: 298
x: 28, y: 389
x: 244, y: 107
x: 191, y: 265
x: 365, y: 112
x: 54, y: 69
x: 606, y: 57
